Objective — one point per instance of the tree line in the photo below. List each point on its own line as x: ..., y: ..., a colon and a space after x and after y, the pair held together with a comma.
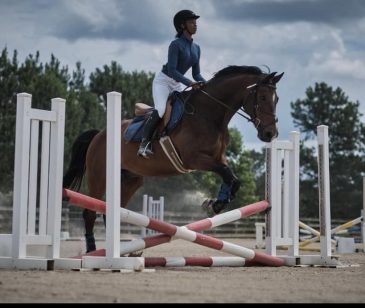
x: 86, y: 106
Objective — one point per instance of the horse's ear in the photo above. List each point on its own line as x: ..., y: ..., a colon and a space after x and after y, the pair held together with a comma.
x: 268, y: 78
x: 277, y: 78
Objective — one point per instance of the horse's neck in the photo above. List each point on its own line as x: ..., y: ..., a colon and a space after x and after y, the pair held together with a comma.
x: 229, y: 92
x: 209, y: 108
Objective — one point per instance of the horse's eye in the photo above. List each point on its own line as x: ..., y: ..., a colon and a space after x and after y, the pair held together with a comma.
x: 263, y: 97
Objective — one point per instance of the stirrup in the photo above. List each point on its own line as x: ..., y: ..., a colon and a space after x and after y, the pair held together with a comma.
x: 145, y: 149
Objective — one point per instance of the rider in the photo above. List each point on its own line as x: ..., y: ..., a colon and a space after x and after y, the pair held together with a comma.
x: 183, y: 54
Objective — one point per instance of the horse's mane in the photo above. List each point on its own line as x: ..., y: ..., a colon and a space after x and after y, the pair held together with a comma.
x: 235, y: 69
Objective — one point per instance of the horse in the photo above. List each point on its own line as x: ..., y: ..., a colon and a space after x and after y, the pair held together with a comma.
x: 200, y: 140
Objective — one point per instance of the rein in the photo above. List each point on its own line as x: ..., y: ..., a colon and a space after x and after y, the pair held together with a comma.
x: 255, y: 120
x: 228, y: 107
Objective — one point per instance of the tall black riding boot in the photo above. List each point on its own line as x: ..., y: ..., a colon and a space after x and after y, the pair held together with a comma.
x: 145, y: 148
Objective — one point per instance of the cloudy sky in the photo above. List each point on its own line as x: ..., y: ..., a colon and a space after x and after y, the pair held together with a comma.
x: 310, y: 40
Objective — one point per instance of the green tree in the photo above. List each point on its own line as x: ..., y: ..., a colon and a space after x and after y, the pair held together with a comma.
x: 327, y: 106
x: 135, y: 86
x: 8, y: 89
x: 43, y: 82
x: 83, y: 110
x: 259, y: 171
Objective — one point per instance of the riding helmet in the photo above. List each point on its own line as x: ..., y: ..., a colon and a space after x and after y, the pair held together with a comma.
x: 182, y: 16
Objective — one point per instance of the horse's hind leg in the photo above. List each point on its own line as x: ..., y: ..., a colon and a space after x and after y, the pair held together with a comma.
x: 89, y: 221
x: 129, y: 185
x: 96, y: 187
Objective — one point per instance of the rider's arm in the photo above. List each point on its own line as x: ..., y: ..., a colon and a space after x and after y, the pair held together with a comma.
x: 173, y: 56
x: 196, y: 69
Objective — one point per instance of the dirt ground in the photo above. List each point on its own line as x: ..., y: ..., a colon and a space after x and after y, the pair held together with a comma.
x: 189, y: 284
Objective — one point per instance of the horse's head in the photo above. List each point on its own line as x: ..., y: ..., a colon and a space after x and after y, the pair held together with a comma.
x: 260, y: 105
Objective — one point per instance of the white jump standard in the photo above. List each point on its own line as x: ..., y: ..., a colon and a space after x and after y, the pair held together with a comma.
x: 282, y: 222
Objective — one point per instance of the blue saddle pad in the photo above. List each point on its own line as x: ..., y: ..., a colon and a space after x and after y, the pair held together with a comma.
x: 135, y: 130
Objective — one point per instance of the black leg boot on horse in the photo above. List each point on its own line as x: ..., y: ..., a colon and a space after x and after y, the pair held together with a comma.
x: 227, y: 192
x: 89, y: 219
x: 145, y: 148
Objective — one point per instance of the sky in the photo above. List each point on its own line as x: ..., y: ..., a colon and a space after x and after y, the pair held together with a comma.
x: 309, y: 40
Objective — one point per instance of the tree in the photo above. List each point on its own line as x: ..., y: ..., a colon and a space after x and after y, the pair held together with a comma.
x: 8, y: 87
x: 135, y: 86
x: 43, y: 82
x: 259, y: 171
x: 325, y: 106
x: 83, y: 110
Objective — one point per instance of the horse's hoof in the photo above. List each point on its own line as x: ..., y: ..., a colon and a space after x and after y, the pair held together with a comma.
x: 207, y: 206
x: 219, y: 205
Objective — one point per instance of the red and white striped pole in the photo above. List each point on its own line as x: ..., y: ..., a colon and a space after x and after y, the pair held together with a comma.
x: 194, y: 261
x: 147, y: 242
x: 201, y: 225
x: 172, y: 230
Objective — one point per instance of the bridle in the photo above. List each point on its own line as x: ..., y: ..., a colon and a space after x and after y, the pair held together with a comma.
x: 253, y: 91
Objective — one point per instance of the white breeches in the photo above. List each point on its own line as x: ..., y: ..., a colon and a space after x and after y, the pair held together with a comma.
x: 162, y: 86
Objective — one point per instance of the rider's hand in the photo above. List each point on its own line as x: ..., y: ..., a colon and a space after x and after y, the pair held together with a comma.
x: 197, y: 85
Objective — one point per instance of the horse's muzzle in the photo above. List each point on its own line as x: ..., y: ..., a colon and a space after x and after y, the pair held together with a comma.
x: 267, y: 134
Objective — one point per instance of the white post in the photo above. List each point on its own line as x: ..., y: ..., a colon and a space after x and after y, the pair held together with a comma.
x: 21, y: 175
x: 273, y: 188
x: 44, y: 182
x: 144, y: 212
x: 259, y: 228
x: 113, y: 163
x: 151, y: 213
x: 162, y: 208
x: 363, y: 214
x: 56, y: 176
x: 324, y: 191
x: 293, y: 215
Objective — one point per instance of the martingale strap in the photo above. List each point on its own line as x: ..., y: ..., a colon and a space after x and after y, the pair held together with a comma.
x: 172, y: 155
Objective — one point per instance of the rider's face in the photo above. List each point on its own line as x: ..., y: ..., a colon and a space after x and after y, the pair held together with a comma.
x: 190, y: 26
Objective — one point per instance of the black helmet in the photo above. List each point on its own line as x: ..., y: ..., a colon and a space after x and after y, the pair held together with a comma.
x: 182, y: 16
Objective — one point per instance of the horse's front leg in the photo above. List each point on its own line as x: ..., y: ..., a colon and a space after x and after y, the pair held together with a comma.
x: 227, y: 191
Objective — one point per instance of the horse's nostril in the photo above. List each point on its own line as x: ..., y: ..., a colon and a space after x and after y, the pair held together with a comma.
x: 268, y: 135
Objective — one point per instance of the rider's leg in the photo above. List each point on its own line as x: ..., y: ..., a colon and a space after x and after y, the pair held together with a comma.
x: 145, y: 147
x: 162, y: 86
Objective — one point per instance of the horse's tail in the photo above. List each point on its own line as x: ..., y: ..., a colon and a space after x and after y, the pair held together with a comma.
x: 76, y: 170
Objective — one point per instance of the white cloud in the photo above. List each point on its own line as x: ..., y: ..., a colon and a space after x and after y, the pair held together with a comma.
x: 99, y: 15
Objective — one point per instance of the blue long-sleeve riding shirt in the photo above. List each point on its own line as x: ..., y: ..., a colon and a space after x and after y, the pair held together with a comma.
x: 183, y: 54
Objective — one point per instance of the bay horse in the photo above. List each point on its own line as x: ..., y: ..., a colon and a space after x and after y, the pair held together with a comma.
x: 200, y: 139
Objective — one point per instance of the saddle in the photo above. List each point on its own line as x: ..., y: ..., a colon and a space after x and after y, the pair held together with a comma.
x: 173, y: 114
x: 143, y: 110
